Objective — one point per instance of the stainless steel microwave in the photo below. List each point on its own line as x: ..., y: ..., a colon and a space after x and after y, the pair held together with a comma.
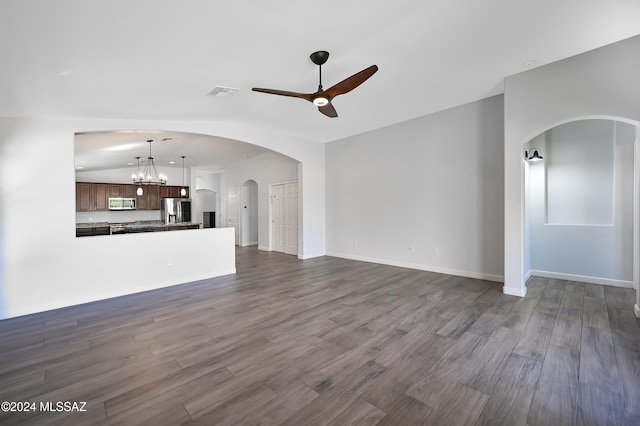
x: 120, y: 203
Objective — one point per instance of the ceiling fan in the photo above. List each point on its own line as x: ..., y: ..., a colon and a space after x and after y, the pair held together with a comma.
x: 322, y: 98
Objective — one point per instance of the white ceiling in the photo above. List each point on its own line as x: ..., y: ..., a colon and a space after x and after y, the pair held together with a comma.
x: 158, y: 59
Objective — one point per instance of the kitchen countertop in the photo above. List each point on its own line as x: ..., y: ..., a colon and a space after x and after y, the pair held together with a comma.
x: 151, y: 226
x: 139, y: 225
x: 92, y: 224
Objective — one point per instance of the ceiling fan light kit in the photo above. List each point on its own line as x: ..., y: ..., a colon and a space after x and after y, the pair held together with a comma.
x: 322, y: 98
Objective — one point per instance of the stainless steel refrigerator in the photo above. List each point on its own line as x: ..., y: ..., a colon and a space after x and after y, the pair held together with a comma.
x: 175, y: 210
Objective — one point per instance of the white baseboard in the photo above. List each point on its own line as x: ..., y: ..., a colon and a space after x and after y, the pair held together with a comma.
x: 254, y: 243
x: 515, y: 291
x: 263, y: 248
x: 636, y: 310
x: 421, y: 267
x: 527, y: 276
x: 582, y: 278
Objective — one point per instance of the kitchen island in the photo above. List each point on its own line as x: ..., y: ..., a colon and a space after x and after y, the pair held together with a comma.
x: 105, y: 228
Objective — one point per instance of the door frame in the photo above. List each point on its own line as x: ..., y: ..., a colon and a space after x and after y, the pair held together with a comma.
x: 245, y: 200
x: 237, y: 227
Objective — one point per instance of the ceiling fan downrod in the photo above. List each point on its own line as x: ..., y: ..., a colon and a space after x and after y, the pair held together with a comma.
x: 319, y: 58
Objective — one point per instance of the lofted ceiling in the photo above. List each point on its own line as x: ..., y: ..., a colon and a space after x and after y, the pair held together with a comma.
x: 159, y: 59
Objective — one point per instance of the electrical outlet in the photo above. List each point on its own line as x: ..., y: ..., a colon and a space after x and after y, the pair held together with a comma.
x: 169, y: 262
x: 355, y: 243
x: 436, y: 251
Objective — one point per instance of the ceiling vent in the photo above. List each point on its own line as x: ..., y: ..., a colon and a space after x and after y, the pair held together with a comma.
x: 223, y: 92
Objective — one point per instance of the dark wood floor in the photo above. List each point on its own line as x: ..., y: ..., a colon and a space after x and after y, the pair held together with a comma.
x: 330, y: 341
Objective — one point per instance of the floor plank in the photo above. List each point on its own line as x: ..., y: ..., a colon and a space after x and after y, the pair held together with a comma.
x: 511, y: 398
x: 554, y: 401
x: 568, y: 327
x: 598, y: 407
x: 598, y: 365
x: 629, y: 366
x: 536, y: 335
x: 595, y: 313
x: 360, y: 412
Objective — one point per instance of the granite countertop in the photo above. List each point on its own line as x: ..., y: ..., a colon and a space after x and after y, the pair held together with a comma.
x: 153, y: 224
x: 138, y: 224
x: 92, y: 224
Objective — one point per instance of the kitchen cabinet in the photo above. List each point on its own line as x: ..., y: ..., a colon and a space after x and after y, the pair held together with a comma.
x: 90, y: 231
x: 101, y: 196
x: 95, y: 196
x: 129, y: 191
x: 150, y: 198
x: 154, y: 197
x: 115, y: 190
x: 84, y: 197
x: 91, y: 196
x: 172, y: 192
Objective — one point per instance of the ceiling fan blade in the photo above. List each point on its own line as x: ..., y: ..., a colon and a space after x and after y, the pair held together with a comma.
x: 328, y: 110
x: 305, y: 96
x: 350, y: 83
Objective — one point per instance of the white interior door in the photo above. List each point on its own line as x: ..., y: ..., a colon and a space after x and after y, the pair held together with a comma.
x: 233, y: 207
x: 284, y: 218
x: 291, y: 217
x: 278, y: 218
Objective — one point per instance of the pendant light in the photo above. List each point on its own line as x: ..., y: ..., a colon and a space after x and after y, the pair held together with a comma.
x: 183, y: 191
x: 139, y: 191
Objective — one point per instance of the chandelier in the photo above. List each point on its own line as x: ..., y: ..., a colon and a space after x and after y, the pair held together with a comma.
x: 148, y: 176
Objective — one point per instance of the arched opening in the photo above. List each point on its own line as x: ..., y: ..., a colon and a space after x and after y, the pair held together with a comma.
x: 217, y: 170
x: 205, y: 206
x: 581, y: 202
x: 249, y: 214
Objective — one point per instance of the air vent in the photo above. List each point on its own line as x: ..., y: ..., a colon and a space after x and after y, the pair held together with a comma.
x: 223, y: 92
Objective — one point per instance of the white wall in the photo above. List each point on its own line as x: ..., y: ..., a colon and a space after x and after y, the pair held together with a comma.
x: 426, y: 193
x: 601, y: 83
x: 588, y: 237
x: 44, y: 266
x: 264, y: 169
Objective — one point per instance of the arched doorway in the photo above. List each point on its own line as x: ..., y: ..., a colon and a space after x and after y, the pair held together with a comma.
x: 581, y: 202
x: 205, y: 207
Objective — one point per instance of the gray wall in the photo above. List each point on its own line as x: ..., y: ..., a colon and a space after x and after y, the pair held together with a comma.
x: 426, y: 193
